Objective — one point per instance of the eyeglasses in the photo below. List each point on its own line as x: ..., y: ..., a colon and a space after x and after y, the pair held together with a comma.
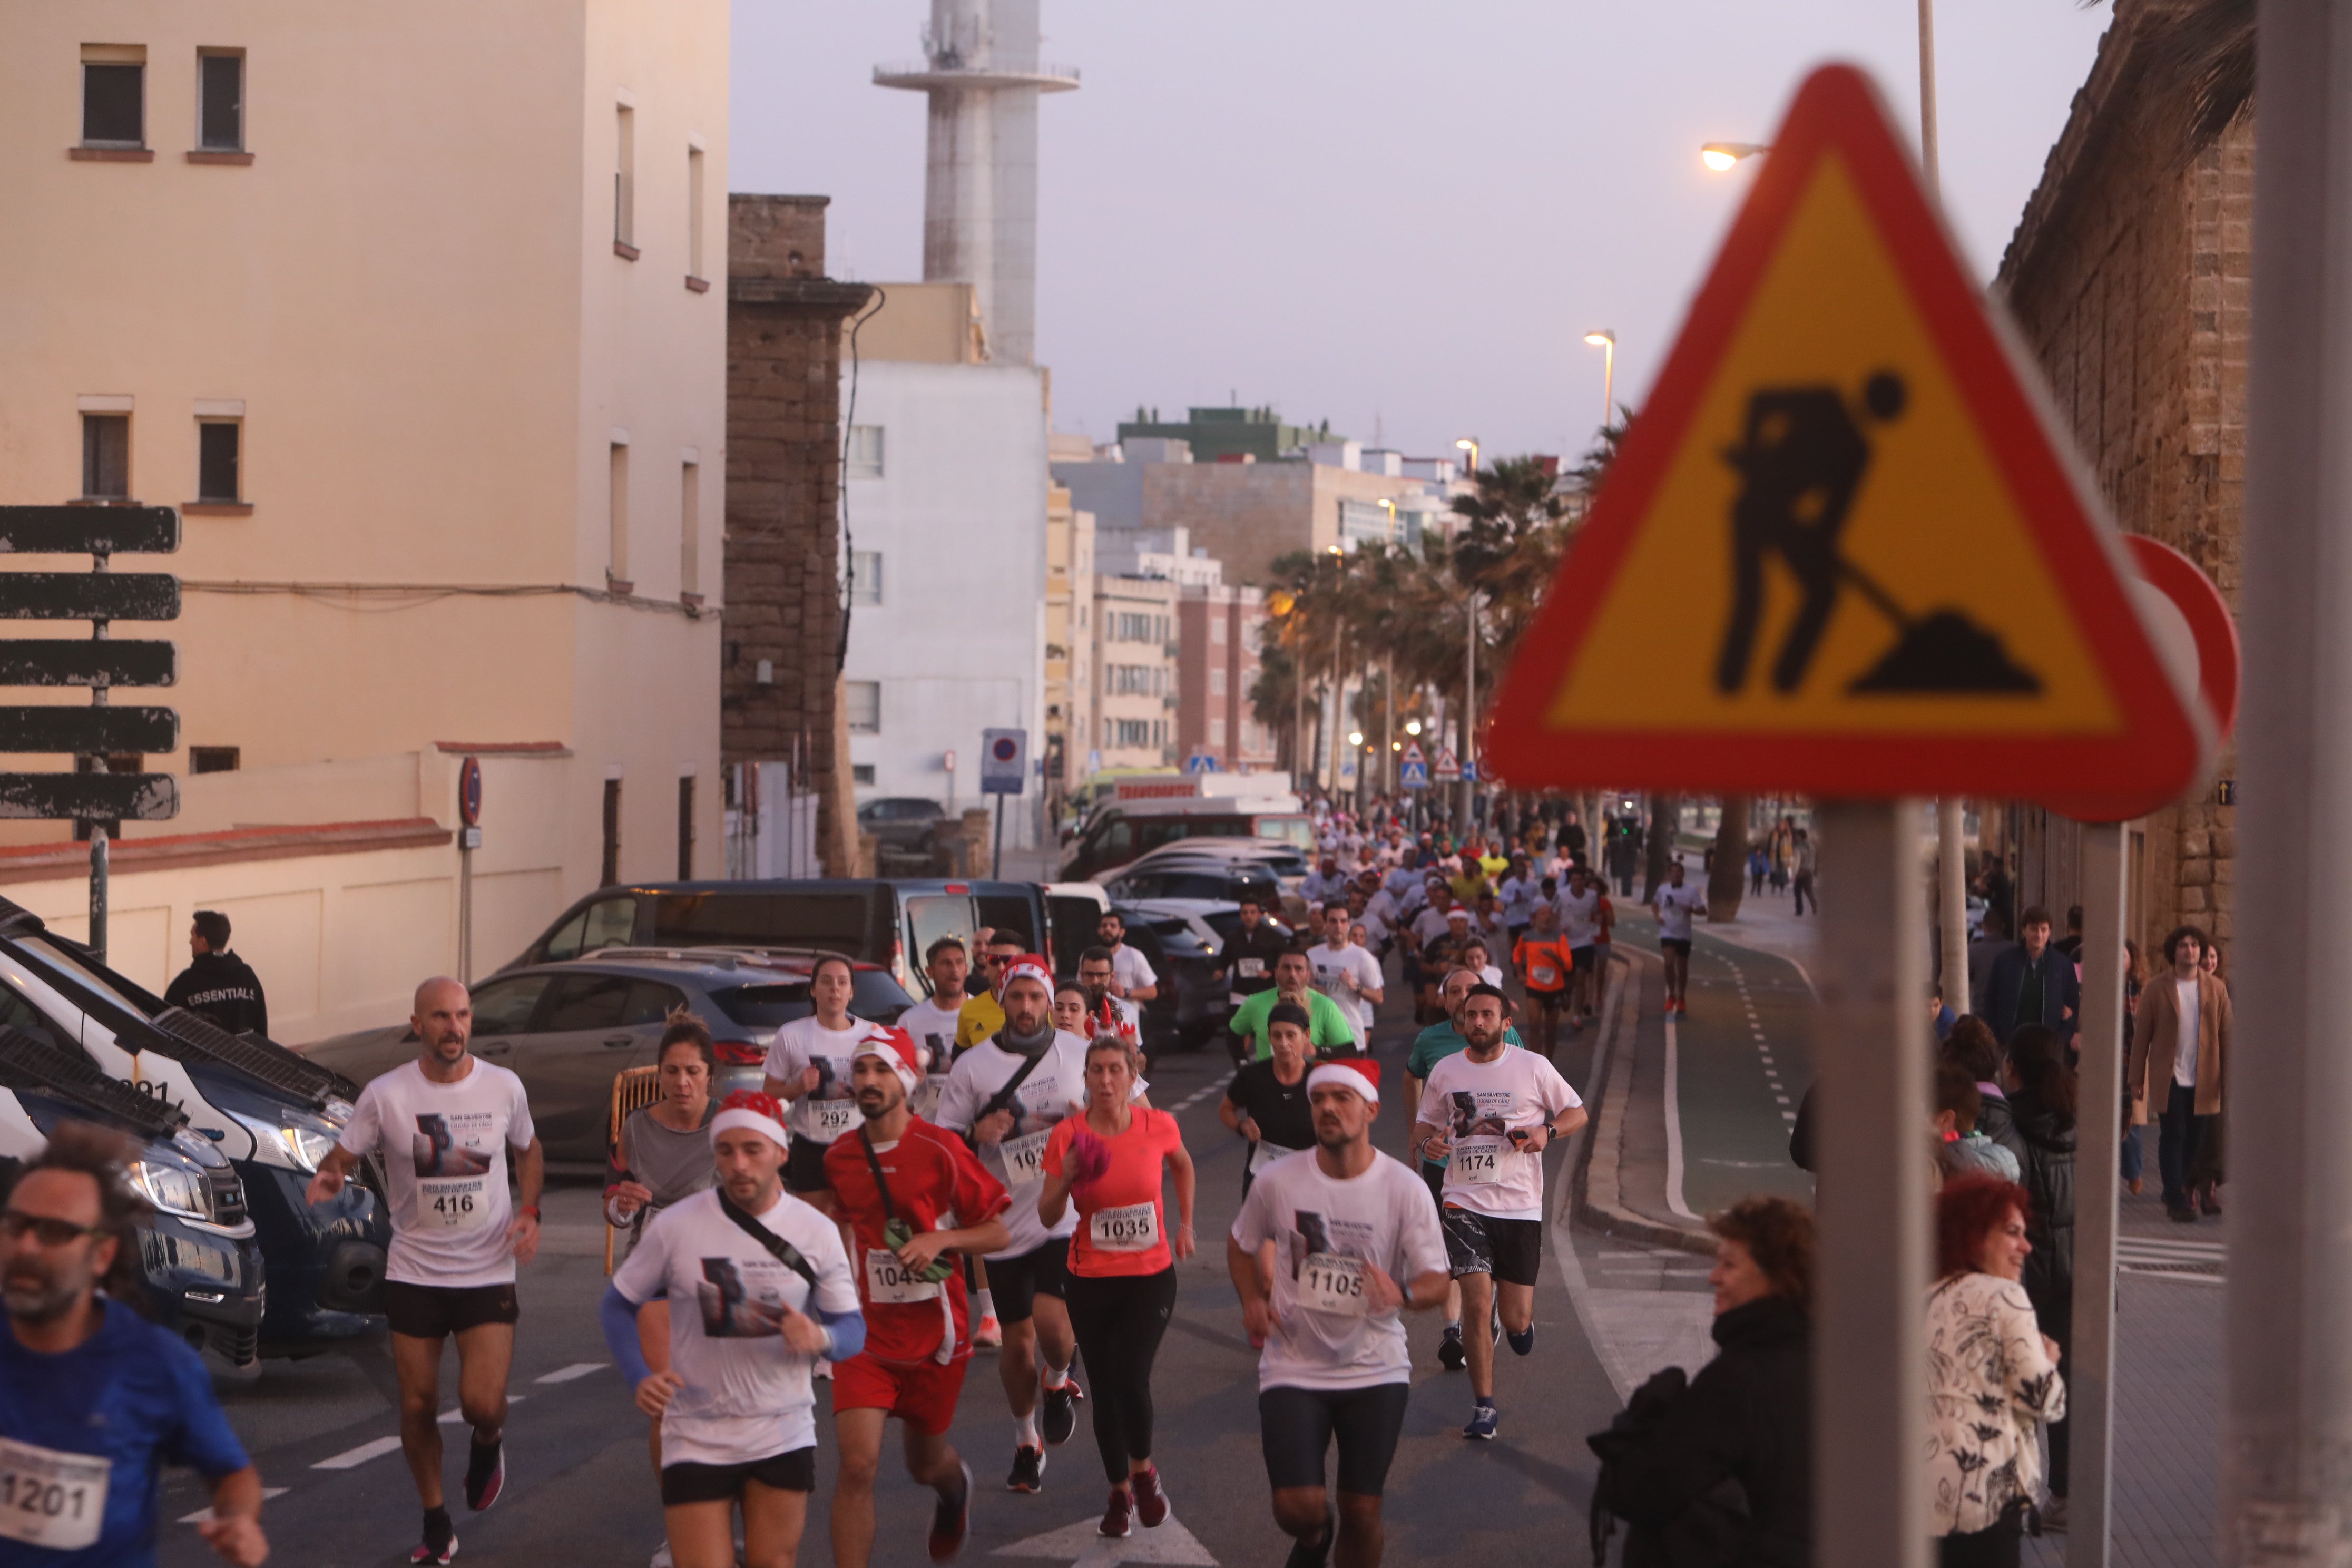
x: 53, y: 1232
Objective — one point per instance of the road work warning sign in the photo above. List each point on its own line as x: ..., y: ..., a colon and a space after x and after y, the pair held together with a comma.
x: 1841, y: 551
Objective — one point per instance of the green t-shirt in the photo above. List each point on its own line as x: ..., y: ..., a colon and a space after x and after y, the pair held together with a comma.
x: 1436, y: 1043
x: 1328, y: 1029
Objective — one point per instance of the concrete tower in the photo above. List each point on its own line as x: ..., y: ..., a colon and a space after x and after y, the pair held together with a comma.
x: 980, y: 192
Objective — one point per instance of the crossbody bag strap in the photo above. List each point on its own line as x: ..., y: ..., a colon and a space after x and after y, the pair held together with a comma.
x: 881, y: 1183
x: 1003, y: 1097
x: 782, y: 1251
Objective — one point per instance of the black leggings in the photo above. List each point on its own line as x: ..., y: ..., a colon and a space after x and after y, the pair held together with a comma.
x: 1119, y: 1319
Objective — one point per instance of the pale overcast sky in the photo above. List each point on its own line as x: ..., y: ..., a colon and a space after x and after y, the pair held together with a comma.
x: 1381, y: 212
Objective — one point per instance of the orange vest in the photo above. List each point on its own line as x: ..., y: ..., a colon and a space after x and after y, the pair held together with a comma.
x: 1545, y: 962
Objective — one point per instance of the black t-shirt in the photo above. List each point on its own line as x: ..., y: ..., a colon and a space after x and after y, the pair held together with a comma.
x: 1247, y: 950
x: 1284, y: 1117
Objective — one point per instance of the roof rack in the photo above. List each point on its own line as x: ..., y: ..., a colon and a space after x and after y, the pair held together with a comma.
x: 256, y: 1057
x: 29, y: 1062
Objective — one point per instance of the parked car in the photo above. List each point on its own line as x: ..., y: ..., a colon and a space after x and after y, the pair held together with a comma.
x: 1191, y: 1007
x: 568, y: 1028
x: 273, y: 1113
x: 1121, y: 831
x: 1074, y: 912
x: 902, y: 822
x: 202, y: 1265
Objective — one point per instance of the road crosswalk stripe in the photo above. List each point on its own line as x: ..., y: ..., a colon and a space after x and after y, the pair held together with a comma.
x: 351, y: 1459
x: 566, y: 1373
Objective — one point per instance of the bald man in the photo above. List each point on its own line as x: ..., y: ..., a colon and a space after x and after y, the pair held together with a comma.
x: 444, y: 1124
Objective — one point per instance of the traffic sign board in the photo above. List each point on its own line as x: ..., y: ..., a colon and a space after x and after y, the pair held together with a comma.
x: 1412, y: 775
x: 1200, y: 763
x: 85, y: 797
x: 88, y: 596
x: 84, y: 661
x: 1004, y: 761
x: 89, y: 732
x: 1446, y: 769
x: 88, y: 530
x: 1412, y: 754
x: 1470, y: 771
x: 1839, y: 551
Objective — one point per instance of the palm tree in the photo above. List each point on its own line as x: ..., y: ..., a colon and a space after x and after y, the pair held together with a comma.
x: 2206, y: 48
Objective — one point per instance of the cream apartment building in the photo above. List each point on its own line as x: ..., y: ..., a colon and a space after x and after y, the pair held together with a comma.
x: 1136, y: 683
x: 418, y: 313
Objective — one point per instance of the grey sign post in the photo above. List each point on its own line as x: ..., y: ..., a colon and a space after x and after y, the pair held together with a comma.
x: 1003, y: 765
x: 92, y: 735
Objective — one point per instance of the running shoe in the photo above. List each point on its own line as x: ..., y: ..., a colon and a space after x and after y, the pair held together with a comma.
x: 440, y: 1539
x: 951, y: 1520
x: 1151, y: 1502
x: 1061, y: 1413
x: 1484, y: 1420
x: 1028, y: 1471
x: 1521, y: 1343
x: 1451, y: 1355
x: 989, y: 1335
x: 1116, y: 1516
x: 486, y: 1474
x: 1314, y: 1554
x: 661, y: 1557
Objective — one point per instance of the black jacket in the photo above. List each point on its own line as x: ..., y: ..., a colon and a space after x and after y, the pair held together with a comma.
x: 2061, y: 994
x: 224, y: 988
x: 1748, y: 1418
x: 1997, y: 1119
x: 2048, y: 1162
x: 1265, y: 944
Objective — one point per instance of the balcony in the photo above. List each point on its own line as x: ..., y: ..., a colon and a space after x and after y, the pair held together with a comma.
x: 949, y: 71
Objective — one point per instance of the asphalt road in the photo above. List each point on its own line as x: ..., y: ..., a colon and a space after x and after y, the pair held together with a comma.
x: 579, y: 1486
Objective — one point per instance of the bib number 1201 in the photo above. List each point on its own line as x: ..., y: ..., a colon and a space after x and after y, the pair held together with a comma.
x: 50, y: 1499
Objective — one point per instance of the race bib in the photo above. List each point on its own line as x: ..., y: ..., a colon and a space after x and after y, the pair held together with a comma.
x: 1250, y: 968
x: 1263, y: 1154
x: 826, y: 1120
x: 1024, y: 1158
x: 1476, y: 1158
x: 1329, y: 1283
x: 1542, y: 974
x: 1135, y: 1229
x: 453, y: 1203
x: 889, y: 1280
x: 926, y: 1103
x: 51, y: 1500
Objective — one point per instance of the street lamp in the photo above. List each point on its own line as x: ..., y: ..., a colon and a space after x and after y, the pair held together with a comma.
x: 1412, y: 727
x: 1467, y: 445
x: 1724, y: 156
x: 1355, y: 737
x: 1605, y: 340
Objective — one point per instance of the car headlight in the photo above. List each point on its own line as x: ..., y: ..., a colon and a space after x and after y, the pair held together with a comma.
x: 303, y: 1141
x: 336, y: 1113
x: 173, y: 1189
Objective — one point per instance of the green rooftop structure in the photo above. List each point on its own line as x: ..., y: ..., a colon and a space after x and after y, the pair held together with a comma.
x: 1226, y: 434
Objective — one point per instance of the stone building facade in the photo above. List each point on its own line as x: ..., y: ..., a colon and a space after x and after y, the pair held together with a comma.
x: 779, y: 675
x: 2130, y: 278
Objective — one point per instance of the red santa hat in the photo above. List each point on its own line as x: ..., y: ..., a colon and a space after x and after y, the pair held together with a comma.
x: 750, y: 1109
x: 1361, y: 1074
x: 1027, y: 967
x: 894, y: 1046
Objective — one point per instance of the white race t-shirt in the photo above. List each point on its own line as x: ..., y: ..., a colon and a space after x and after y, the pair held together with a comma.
x: 1580, y: 918
x: 1332, y: 969
x: 746, y: 1395
x: 1676, y: 907
x: 1520, y: 895
x: 1130, y: 968
x: 1054, y: 1089
x: 2184, y: 1058
x: 1476, y: 1104
x: 1324, y: 1229
x: 444, y: 1152
x: 934, y: 1028
x: 830, y: 1110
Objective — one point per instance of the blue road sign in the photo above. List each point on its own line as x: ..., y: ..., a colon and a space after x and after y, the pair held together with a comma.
x: 1413, y: 775
x: 1004, y: 761
x: 1470, y: 771
x: 1199, y: 763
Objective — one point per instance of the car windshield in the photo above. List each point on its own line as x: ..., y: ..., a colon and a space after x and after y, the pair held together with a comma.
x: 834, y: 921
x: 874, y: 997
x: 122, y: 992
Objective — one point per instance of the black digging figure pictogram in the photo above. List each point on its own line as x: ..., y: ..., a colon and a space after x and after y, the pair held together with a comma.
x: 1802, y: 457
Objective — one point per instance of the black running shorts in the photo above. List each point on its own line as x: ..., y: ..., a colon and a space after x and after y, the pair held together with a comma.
x: 436, y: 1311
x: 804, y: 1166
x: 1296, y: 1425
x: 1016, y: 1283
x: 688, y: 1482
x: 1509, y: 1250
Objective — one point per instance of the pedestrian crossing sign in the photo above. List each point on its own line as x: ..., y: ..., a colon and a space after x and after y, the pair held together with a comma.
x: 1412, y: 754
x: 1844, y: 550
x: 1445, y: 769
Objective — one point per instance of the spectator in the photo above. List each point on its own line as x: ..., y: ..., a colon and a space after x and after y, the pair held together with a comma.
x: 2043, y: 1102
x: 218, y: 983
x: 1972, y: 1046
x: 1991, y: 1374
x: 1983, y: 954
x: 2032, y: 983
x: 2135, y: 981
x: 1746, y: 1416
x: 2180, y: 1057
x: 1959, y: 1103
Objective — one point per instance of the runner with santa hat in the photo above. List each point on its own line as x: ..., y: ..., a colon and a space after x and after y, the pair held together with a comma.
x: 912, y: 1193
x: 760, y: 1289
x: 1354, y: 1242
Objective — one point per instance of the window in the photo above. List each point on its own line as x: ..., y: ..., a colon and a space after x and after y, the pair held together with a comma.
x: 617, y: 503
x: 216, y: 453
x: 1216, y: 680
x: 694, y: 212
x: 106, y: 457
x: 1216, y: 628
x: 864, y: 452
x: 212, y: 758
x: 862, y: 702
x: 609, y: 922
x: 1216, y: 731
x: 1128, y: 732
x: 865, y: 577
x: 505, y: 1006
x: 686, y: 828
x: 220, y: 108
x: 861, y: 772
x: 612, y: 870
x: 625, y: 185
x: 690, y: 527
x: 113, y: 96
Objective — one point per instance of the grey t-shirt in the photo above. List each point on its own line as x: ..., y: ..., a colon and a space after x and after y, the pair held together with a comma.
x: 673, y: 1165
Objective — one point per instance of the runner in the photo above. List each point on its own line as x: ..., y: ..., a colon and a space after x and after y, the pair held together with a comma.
x: 1005, y: 1096
x: 1294, y: 982
x: 1070, y: 1008
x: 933, y: 1020
x: 1122, y: 1284
x: 94, y: 1399
x: 749, y: 1263
x: 1345, y: 972
x: 1579, y: 906
x: 808, y: 1070
x: 1245, y: 958
x: 1547, y: 967
x: 1133, y: 975
x: 1266, y: 1102
x: 913, y: 1192
x: 1493, y: 1109
x: 1520, y: 894
x: 1675, y: 904
x: 443, y: 1124
x: 1097, y: 973
x: 1354, y: 1243
x: 981, y: 1016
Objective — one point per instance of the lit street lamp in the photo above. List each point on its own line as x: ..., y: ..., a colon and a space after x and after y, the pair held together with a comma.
x: 1724, y: 156
x: 1467, y: 445
x: 1605, y: 340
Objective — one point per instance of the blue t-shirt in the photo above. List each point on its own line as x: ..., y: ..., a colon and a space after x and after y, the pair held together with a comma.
x: 132, y: 1393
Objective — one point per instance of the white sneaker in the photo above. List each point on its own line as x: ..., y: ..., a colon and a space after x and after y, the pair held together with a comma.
x: 823, y: 1369
x: 661, y: 1557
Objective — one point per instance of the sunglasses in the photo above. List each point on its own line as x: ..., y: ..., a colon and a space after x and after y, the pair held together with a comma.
x: 53, y: 1232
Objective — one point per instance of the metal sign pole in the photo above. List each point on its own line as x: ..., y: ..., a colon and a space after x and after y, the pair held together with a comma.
x: 996, y: 852
x: 1870, y: 1415
x: 98, y: 874
x: 2090, y: 1358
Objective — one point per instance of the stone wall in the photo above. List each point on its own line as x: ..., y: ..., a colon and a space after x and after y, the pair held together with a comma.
x: 783, y: 506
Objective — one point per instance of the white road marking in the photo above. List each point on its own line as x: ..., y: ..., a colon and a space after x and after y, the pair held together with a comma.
x: 456, y: 1413
x: 577, y: 1369
x: 352, y: 1459
x: 204, y: 1515
x: 1674, y: 1201
x: 1079, y: 1545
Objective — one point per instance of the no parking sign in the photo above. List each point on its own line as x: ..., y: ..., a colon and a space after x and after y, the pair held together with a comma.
x: 1004, y: 761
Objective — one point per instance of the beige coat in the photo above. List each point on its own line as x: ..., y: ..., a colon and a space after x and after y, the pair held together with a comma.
x: 2156, y: 1041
